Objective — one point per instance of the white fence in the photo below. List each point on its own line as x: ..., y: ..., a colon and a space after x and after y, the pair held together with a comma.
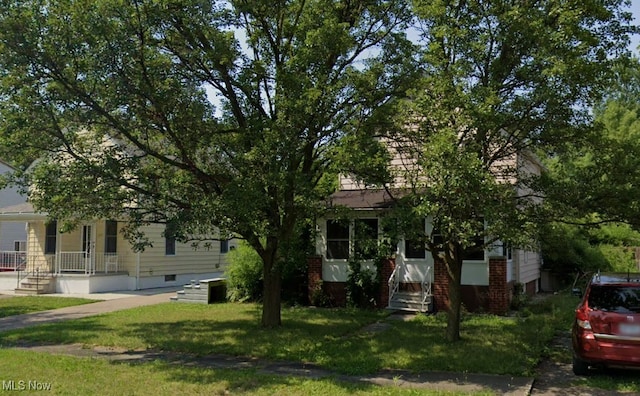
x: 13, y: 261
x: 86, y: 263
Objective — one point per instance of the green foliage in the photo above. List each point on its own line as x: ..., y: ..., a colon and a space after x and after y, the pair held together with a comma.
x: 568, y: 249
x: 500, y: 78
x: 244, y: 274
x: 245, y: 270
x: 210, y: 116
x: 363, y: 284
x: 597, y: 179
x: 619, y: 258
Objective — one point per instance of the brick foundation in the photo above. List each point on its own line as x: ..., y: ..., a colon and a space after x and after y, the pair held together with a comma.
x: 499, y: 289
x: 336, y: 292
x: 440, y: 288
x: 494, y: 298
x: 387, y: 269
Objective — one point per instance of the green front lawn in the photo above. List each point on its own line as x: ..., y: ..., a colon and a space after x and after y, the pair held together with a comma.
x: 26, y: 304
x: 66, y: 375
x: 331, y: 338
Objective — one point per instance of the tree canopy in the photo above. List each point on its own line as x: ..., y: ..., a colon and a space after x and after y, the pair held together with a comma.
x: 226, y: 115
x: 204, y: 115
x: 503, y: 80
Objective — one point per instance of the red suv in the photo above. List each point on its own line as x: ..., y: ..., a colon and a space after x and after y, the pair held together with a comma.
x: 606, y: 331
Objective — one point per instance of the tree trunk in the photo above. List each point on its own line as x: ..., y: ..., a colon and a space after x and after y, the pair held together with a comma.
x: 271, y: 305
x: 453, y: 263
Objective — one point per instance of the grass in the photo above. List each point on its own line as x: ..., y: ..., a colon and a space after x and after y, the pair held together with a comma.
x: 331, y: 338
x: 67, y: 375
x: 26, y: 304
x: 615, y: 380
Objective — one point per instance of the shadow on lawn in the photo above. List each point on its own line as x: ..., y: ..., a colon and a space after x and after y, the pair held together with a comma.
x: 65, y: 332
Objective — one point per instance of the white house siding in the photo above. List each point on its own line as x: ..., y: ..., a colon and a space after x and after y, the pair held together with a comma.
x: 412, y: 270
x: 529, y: 266
x: 10, y: 231
x: 187, y: 260
x: 403, y: 168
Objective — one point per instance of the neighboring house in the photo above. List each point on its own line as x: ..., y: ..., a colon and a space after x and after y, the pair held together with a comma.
x: 96, y: 258
x: 13, y: 235
x: 411, y: 279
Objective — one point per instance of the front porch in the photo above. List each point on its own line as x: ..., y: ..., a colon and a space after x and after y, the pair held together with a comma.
x: 87, y: 263
x: 83, y: 272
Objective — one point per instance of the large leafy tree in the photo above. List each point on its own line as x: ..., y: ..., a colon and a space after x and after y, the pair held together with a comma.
x: 598, y: 182
x: 503, y: 78
x: 592, y: 189
x: 204, y: 115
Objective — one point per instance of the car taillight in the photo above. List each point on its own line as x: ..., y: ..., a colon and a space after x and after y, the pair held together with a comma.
x: 584, y: 324
x: 582, y: 319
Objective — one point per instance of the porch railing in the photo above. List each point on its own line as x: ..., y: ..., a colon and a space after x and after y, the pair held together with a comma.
x: 82, y: 262
x: 13, y: 261
x: 394, y: 283
x: 427, y: 296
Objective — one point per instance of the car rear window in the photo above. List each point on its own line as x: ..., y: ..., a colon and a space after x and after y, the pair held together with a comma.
x: 615, y: 298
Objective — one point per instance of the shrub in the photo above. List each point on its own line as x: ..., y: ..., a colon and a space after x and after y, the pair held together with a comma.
x: 244, y: 274
x: 363, y: 285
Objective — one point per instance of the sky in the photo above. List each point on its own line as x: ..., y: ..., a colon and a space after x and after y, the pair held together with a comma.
x: 635, y: 10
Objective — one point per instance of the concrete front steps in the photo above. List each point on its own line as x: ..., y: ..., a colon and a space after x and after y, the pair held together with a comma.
x: 410, y: 301
x: 205, y: 291
x: 33, y: 285
x: 192, y: 293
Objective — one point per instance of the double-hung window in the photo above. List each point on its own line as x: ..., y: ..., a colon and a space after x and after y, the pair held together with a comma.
x: 50, y: 237
x: 365, y: 244
x: 414, y: 248
x: 337, y: 239
x: 111, y: 236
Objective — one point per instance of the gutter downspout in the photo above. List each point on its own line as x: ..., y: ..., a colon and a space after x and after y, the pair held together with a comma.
x: 138, y: 270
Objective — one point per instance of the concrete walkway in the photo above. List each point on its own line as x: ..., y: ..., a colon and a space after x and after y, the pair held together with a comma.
x: 112, y: 302
x: 441, y: 381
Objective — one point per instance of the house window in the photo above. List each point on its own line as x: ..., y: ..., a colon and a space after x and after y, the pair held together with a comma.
x: 170, y: 240
x: 437, y: 239
x: 507, y: 251
x: 365, y: 244
x: 414, y: 248
x: 224, y: 246
x: 169, y: 278
x: 50, y: 237
x: 20, y: 246
x: 337, y: 240
x: 110, y: 236
x: 476, y: 250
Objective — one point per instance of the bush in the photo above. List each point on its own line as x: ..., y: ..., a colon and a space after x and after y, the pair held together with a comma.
x: 363, y: 286
x: 244, y: 274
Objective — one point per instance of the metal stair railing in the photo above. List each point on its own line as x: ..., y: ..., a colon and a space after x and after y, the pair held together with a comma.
x: 39, y: 272
x: 394, y: 283
x: 426, y: 289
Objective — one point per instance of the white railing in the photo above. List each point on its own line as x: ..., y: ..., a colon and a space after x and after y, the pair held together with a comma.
x: 90, y: 264
x: 394, y: 283
x: 426, y: 289
x: 13, y: 261
x: 74, y: 262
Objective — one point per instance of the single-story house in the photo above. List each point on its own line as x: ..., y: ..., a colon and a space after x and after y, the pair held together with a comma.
x: 96, y: 257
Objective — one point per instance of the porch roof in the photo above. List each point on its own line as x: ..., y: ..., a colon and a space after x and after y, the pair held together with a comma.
x: 365, y: 199
x: 21, y: 212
